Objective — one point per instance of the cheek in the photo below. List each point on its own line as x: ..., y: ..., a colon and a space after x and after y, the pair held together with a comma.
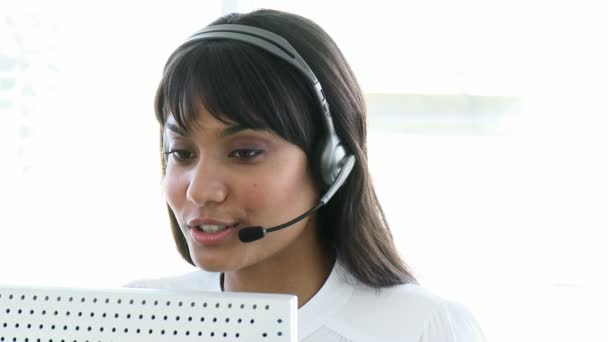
x: 174, y: 190
x: 287, y: 187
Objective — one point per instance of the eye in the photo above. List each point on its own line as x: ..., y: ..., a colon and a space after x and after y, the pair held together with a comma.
x: 180, y: 155
x: 245, y: 153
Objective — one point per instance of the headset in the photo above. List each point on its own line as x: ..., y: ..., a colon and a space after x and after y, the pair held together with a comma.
x: 336, y: 162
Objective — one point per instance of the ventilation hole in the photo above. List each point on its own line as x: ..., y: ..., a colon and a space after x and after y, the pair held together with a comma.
x: 205, y: 304
x: 129, y: 316
x: 143, y: 302
x: 264, y: 334
x: 67, y: 313
x: 101, y: 329
x: 104, y: 315
x: 177, y: 318
x: 17, y: 325
x: 153, y: 317
x: 192, y: 304
x: 10, y: 296
x: 59, y: 299
x: 94, y: 300
x: 89, y: 328
x: 22, y: 297
x: 180, y: 304
x: 19, y: 311
x: 155, y: 302
x: 202, y: 319
x: 126, y: 330
x: 168, y: 303
x: 165, y: 317
x: 267, y: 307
x: 280, y: 320
x: 79, y: 314
x: 46, y: 298
x: 115, y: 315
x: 280, y: 333
x: 187, y: 333
x: 107, y: 300
x: 229, y: 306
x: 237, y: 335
x: 227, y: 320
x: 71, y: 299
x: 240, y: 320
x: 242, y: 306
x: 137, y: 331
x: 131, y: 301
x: 53, y: 327
x: 55, y: 313
x: 35, y: 298
x: 212, y: 334
x: 113, y: 329
x: 214, y: 319
x: 225, y: 334
x: 255, y: 306
x: 93, y: 314
x: 150, y: 331
x: 82, y: 300
x: 174, y: 332
x: 162, y: 332
x: 189, y: 319
x: 8, y: 310
x: 119, y: 301
x: 252, y: 321
x: 217, y: 305
x: 200, y: 333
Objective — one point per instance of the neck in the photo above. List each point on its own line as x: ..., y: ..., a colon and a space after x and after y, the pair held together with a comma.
x: 298, y: 269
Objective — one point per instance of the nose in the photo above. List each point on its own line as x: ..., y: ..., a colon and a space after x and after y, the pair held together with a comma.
x: 206, y: 186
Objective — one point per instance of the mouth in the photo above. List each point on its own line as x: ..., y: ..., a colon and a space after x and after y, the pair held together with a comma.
x: 213, y: 228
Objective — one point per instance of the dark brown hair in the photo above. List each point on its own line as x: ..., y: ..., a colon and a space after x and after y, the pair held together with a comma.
x: 241, y: 83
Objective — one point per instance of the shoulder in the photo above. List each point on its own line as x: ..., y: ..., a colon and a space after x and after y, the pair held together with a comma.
x: 407, y: 311
x: 198, y: 280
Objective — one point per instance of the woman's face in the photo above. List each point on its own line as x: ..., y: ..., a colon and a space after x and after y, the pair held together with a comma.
x: 220, y: 178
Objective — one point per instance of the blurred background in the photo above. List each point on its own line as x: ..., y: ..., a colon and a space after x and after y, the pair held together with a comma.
x: 487, y: 145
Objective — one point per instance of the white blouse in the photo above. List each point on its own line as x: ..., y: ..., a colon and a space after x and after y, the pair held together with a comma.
x: 346, y: 310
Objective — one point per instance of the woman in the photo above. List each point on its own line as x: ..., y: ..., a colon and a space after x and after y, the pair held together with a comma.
x: 254, y: 133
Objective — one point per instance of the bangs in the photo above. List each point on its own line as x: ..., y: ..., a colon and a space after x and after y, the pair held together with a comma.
x: 237, y: 84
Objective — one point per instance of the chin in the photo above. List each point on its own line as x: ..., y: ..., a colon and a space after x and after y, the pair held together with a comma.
x: 210, y: 263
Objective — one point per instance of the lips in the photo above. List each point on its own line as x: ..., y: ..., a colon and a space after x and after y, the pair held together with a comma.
x: 212, y: 228
x: 210, y: 222
x: 212, y: 238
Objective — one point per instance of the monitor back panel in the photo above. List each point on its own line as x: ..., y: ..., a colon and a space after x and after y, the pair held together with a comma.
x: 39, y: 314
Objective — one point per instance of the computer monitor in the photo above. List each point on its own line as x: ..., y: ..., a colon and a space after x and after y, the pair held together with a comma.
x: 44, y: 314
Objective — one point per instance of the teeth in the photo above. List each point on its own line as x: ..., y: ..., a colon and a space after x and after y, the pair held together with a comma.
x: 211, y: 228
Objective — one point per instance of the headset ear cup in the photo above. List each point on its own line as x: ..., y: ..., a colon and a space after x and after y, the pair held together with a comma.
x: 332, y: 159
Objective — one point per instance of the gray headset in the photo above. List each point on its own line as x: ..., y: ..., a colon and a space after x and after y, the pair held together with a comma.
x: 336, y: 162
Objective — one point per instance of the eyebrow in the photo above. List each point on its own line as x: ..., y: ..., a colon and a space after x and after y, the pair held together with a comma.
x: 176, y: 129
x: 223, y: 134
